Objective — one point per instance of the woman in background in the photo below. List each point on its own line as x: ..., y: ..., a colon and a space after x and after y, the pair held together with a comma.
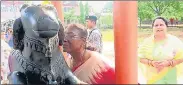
x: 161, y: 55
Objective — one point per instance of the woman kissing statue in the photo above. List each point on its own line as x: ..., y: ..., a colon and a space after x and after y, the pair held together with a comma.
x: 36, y: 58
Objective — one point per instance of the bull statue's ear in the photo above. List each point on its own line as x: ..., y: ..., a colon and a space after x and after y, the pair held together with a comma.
x: 61, y: 33
x: 18, y: 34
x: 24, y: 6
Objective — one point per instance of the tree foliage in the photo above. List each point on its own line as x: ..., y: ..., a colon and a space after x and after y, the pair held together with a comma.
x: 106, y: 21
x: 84, y: 11
x: 108, y: 7
x: 82, y: 15
x: 69, y: 16
x: 168, y: 9
x: 143, y: 12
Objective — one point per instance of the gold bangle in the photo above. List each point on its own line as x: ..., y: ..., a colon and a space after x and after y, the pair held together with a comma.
x: 151, y: 63
x: 172, y: 63
x: 169, y: 61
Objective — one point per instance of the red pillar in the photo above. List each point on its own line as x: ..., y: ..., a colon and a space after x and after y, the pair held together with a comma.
x: 125, y: 39
x: 59, y: 6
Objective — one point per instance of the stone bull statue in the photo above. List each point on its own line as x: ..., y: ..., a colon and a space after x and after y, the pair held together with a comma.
x: 36, y: 58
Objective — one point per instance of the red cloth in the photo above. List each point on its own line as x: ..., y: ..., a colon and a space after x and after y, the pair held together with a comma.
x: 105, y: 76
x: 108, y: 77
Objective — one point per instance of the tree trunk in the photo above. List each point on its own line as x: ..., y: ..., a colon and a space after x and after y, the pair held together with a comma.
x: 140, y: 22
x: 158, y: 13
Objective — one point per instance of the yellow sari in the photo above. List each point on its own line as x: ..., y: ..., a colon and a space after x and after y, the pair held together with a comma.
x: 171, y: 48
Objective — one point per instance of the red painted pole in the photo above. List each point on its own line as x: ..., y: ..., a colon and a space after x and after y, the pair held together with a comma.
x: 125, y: 39
x: 59, y: 5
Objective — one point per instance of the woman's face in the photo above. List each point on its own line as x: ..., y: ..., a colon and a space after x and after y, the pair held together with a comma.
x: 159, y: 27
x: 72, y: 41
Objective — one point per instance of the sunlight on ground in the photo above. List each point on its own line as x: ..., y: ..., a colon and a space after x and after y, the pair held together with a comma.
x: 107, y: 35
x: 108, y: 43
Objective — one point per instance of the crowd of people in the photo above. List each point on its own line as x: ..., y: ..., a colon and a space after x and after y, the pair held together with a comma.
x: 6, y: 47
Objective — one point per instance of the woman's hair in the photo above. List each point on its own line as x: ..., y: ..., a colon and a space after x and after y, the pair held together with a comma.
x: 162, y: 18
x: 82, y: 30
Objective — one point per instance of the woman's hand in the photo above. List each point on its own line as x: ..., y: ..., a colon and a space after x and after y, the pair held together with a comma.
x: 155, y: 63
x: 165, y: 63
x: 158, y: 65
x: 81, y: 83
x: 162, y: 64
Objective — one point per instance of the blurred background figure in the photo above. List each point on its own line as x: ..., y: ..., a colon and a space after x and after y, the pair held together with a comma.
x: 9, y: 37
x: 5, y: 51
x: 94, y: 41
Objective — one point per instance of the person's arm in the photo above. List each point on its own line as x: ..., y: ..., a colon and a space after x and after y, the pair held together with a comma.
x: 175, y: 62
x: 149, y: 62
x: 145, y: 61
x: 179, y: 54
x: 142, y: 56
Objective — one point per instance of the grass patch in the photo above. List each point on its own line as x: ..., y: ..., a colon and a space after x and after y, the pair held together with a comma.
x: 107, y: 35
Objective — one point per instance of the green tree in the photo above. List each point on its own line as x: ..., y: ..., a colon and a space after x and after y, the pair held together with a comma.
x: 69, y: 16
x: 82, y: 13
x: 106, y: 21
x: 86, y: 9
x: 159, y: 6
x: 167, y: 9
x: 143, y: 12
x: 174, y: 11
x: 108, y: 6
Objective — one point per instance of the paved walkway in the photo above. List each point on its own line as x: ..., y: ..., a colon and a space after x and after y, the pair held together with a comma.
x: 108, y: 49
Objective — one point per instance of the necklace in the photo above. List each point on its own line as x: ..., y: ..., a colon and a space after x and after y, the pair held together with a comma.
x: 45, y: 73
x: 27, y: 65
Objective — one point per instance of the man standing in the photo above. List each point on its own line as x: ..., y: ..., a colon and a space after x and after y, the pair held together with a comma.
x: 94, y: 37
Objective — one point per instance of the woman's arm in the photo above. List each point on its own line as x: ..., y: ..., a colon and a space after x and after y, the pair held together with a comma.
x: 172, y: 63
x: 175, y: 62
x: 149, y: 62
x: 144, y: 61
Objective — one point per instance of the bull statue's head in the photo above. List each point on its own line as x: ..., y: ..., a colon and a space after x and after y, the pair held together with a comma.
x: 37, y: 21
x: 37, y: 35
